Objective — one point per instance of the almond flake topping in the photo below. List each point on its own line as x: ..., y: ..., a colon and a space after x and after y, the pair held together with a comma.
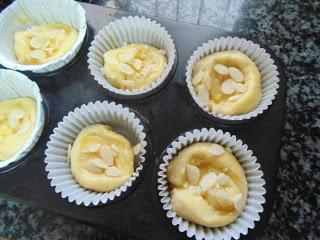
x: 222, y: 178
x: 236, y: 74
x: 198, y: 78
x: 146, y: 70
x: 224, y: 194
x: 129, y: 55
x: 125, y: 68
x: 106, y: 155
x: 113, y: 172
x: 98, y: 162
x: 227, y: 87
x: 92, y: 148
x: 208, y: 181
x: 217, y: 149
x: 193, y: 174
x: 203, y: 94
x: 37, y: 42
x: 237, y: 202
x: 137, y: 63
x: 221, y: 69
x: 37, y: 54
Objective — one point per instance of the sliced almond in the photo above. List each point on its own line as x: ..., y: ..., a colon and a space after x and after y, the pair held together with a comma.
x: 113, y: 172
x: 37, y: 42
x: 137, y: 149
x: 208, y: 181
x: 217, y: 149
x: 197, y: 78
x: 193, y: 174
x: 227, y: 87
x: 99, y: 162
x: 207, y: 81
x: 236, y: 74
x: 146, y: 70
x: 224, y: 195
x: 92, y: 148
x: 129, y: 55
x: 125, y: 68
x: 185, y: 185
x: 137, y: 63
x: 106, y: 155
x: 221, y: 69
x: 223, y: 179
x: 234, y: 98
x: 24, y: 127
x: 91, y: 167
x: 37, y: 54
x: 14, y: 117
x: 127, y: 83
x: 69, y: 153
x: 241, y: 88
x: 237, y: 202
x: 203, y: 94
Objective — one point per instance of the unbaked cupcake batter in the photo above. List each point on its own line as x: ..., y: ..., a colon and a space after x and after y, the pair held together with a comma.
x: 209, y: 186
x: 17, y: 120
x: 101, y: 159
x: 44, y: 43
x: 227, y: 82
x: 134, y: 66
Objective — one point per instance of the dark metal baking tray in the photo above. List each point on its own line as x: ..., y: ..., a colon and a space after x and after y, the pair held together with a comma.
x: 168, y: 113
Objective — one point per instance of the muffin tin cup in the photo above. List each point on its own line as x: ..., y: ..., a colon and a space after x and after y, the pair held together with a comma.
x: 122, y: 121
x: 263, y: 60
x: 13, y: 85
x: 23, y: 14
x: 128, y: 30
x: 254, y: 175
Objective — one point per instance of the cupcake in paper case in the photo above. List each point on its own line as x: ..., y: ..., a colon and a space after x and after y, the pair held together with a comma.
x: 21, y: 116
x: 232, y: 78
x: 132, y: 56
x: 210, y: 185
x: 96, y: 153
x: 41, y: 36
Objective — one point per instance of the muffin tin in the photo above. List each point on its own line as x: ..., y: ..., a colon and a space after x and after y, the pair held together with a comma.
x: 168, y: 113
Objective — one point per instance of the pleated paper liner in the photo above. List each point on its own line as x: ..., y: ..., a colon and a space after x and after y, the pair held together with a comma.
x: 263, y: 60
x: 13, y: 85
x: 23, y: 14
x: 121, y: 119
x: 128, y: 30
x: 254, y: 175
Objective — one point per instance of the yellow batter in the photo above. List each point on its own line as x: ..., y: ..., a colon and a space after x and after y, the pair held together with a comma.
x: 17, y: 120
x: 101, y: 159
x: 209, y: 186
x: 44, y: 43
x: 227, y: 82
x: 134, y: 66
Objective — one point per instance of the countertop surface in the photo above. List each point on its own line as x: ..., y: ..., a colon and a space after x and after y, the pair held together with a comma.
x: 290, y: 29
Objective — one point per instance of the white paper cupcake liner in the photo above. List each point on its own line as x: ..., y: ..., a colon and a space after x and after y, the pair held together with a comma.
x: 59, y: 172
x: 13, y: 85
x: 265, y: 64
x: 255, y: 181
x: 23, y: 14
x: 127, y: 30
